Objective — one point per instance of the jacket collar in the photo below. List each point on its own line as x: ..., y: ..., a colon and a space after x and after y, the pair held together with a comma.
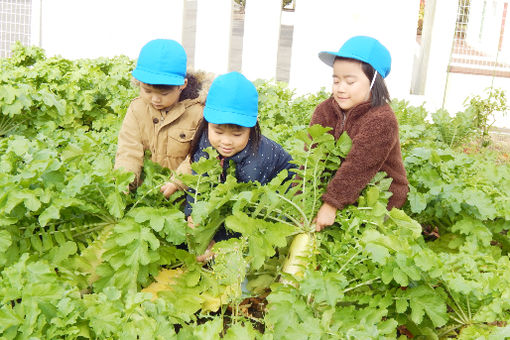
x: 175, y: 112
x: 355, y: 111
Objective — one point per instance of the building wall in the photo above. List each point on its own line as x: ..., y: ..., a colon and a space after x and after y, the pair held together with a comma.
x: 97, y: 28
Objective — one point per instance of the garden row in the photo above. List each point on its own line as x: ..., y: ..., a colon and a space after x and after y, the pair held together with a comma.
x: 81, y: 259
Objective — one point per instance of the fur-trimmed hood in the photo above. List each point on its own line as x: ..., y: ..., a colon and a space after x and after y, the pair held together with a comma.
x: 199, y: 83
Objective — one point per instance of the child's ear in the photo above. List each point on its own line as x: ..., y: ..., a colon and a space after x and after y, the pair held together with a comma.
x: 183, y: 86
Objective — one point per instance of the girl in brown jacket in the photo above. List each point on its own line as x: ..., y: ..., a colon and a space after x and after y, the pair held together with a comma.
x: 164, y: 118
x: 360, y: 106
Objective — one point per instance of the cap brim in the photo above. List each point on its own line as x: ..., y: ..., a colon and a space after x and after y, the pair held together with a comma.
x: 216, y: 116
x: 328, y: 57
x: 157, y: 78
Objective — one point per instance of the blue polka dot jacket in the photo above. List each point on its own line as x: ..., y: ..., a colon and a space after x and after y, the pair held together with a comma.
x: 261, y: 165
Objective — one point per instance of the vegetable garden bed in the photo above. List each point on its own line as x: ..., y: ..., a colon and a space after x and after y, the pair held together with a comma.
x: 82, y: 260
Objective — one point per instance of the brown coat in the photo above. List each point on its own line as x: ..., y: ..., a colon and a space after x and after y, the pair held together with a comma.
x: 166, y: 135
x: 375, y: 147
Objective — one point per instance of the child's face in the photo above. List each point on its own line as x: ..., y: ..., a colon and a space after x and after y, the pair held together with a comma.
x: 227, y: 139
x: 350, y: 84
x: 160, y: 99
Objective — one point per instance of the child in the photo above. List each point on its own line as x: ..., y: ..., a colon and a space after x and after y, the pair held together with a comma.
x: 360, y: 106
x: 230, y: 126
x: 164, y: 118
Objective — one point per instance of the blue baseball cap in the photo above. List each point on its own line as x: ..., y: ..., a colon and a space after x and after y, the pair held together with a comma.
x: 232, y: 99
x: 363, y: 48
x: 161, y: 62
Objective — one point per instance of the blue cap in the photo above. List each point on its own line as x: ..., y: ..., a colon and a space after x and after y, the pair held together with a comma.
x: 161, y: 62
x: 366, y: 49
x: 232, y: 99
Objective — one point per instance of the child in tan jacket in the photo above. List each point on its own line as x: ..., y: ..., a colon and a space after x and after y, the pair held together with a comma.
x: 164, y: 118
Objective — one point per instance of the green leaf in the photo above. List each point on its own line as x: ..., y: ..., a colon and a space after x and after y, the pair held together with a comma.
x: 26, y: 196
x: 402, y: 220
x: 263, y: 236
x: 344, y: 143
x: 400, y: 277
x: 115, y: 204
x: 378, y: 253
x: 483, y: 203
x: 417, y: 200
x: 325, y: 287
x: 9, y: 318
x: 5, y: 240
x: 209, y: 330
x: 51, y: 100
x: 170, y: 222
x: 240, y: 331
x: 476, y: 228
x: 401, y: 305
x: 50, y: 213
x: 7, y: 93
x: 425, y: 301
x: 64, y: 251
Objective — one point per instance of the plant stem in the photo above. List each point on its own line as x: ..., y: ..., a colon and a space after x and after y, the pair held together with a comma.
x: 305, y: 219
x: 361, y: 284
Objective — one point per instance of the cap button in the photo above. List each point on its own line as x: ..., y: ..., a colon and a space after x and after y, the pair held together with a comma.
x: 155, y: 120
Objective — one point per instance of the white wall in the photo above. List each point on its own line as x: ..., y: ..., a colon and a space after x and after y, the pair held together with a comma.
x: 326, y: 24
x: 212, y: 45
x: 105, y: 28
x: 472, y: 85
x: 95, y: 28
x: 261, y: 37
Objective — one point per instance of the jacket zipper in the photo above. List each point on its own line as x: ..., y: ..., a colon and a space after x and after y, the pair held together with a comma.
x: 343, y: 120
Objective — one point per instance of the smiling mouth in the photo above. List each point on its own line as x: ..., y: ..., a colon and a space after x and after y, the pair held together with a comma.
x: 225, y: 150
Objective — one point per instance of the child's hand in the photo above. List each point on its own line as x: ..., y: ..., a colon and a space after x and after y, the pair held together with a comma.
x: 168, y: 189
x: 325, y: 217
x: 190, y: 223
x: 208, y: 255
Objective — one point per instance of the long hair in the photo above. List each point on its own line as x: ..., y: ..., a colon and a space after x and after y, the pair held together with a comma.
x: 255, y: 136
x: 379, y: 92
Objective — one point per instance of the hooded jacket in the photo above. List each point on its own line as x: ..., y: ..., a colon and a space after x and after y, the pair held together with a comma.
x: 375, y: 147
x: 167, y: 135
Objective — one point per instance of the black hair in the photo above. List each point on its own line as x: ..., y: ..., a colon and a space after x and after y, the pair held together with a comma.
x: 380, y: 95
x: 379, y: 92
x: 191, y: 91
x: 255, y: 136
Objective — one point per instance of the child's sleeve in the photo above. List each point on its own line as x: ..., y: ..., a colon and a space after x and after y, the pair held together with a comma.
x: 130, y: 148
x: 370, y: 149
x: 183, y: 168
x: 283, y: 162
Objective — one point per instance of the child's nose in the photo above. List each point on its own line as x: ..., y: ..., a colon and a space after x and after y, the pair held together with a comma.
x: 226, y: 141
x: 340, y: 87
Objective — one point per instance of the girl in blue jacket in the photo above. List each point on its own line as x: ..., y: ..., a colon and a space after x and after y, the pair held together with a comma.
x: 230, y: 126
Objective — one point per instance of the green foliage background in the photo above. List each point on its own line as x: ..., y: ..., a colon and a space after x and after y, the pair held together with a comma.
x: 80, y: 259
